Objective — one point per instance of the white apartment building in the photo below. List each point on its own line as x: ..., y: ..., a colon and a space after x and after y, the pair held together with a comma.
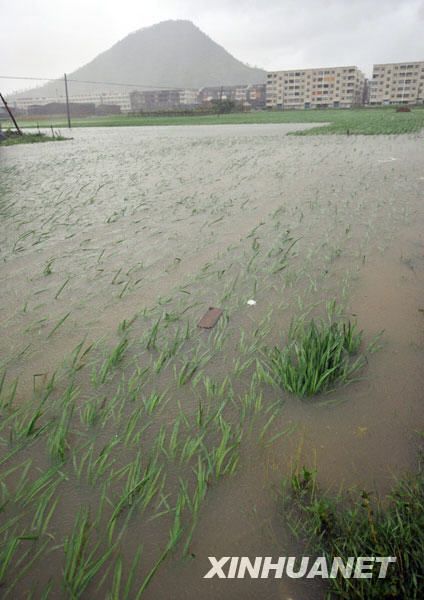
x: 189, y: 97
x: 326, y: 87
x: 397, y: 83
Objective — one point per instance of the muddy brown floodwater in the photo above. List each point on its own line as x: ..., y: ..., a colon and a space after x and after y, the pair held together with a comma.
x: 112, y: 246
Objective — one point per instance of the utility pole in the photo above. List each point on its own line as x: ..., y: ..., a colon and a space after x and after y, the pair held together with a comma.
x: 68, y: 112
x: 10, y: 114
x: 221, y: 91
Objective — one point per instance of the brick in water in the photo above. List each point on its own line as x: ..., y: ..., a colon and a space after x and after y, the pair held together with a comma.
x: 210, y: 318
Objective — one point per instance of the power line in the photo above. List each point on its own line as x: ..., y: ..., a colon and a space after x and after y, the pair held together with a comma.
x: 114, y: 83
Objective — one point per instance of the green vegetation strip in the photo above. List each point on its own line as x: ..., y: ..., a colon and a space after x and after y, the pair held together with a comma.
x: 361, y: 121
x: 358, y: 526
x: 13, y: 139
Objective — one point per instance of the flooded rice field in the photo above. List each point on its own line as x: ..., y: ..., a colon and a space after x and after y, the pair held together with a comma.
x: 135, y: 444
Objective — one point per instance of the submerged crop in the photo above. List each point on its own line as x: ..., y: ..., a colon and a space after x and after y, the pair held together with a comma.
x: 317, y: 355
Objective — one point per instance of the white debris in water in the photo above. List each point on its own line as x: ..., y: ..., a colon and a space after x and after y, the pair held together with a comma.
x: 251, y: 302
x: 385, y: 160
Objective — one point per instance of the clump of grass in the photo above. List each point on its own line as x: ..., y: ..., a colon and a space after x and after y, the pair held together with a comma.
x: 318, y: 354
x: 356, y: 526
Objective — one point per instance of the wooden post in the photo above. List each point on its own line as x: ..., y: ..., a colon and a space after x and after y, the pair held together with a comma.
x: 10, y: 114
x: 68, y: 112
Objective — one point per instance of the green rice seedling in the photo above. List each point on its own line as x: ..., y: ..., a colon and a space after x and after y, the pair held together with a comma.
x: 184, y: 495
x: 318, y: 355
x: 56, y: 442
x: 351, y: 337
x: 190, y: 367
x: 116, y: 276
x: 190, y: 447
x: 124, y: 289
x: 36, y: 326
x: 7, y: 398
x: 174, y: 536
x: 6, y: 496
x: 159, y: 443
x: 162, y: 300
x: 132, y: 433
x: 198, y: 497
x: 375, y: 344
x: 62, y: 287
x: 152, y: 402
x: 179, y: 338
x: 266, y: 426
x: 136, y: 479
x: 154, y: 484
x: 77, y: 357
x: 44, y: 511
x: 240, y: 367
x: 102, y: 501
x: 111, y: 409
x: 229, y: 290
x: 25, y: 425
x: 83, y: 556
x: 251, y: 401
x: 47, y: 388
x: 111, y: 362
x: 126, y: 324
x: 128, y: 434
x: 210, y: 386
x: 80, y: 458
x: 219, y: 338
x: 27, y: 492
x: 199, y: 413
x: 215, y: 415
x: 262, y: 375
x: 136, y: 381
x: 97, y: 467
x: 7, y: 552
x: 173, y: 440
x: 45, y: 594
x: 122, y: 588
x: 224, y: 457
x: 161, y: 361
x: 59, y: 324
x: 201, y: 485
x: 21, y: 563
x: 48, y: 268
x: 90, y: 411
x: 169, y: 351
x: 152, y: 337
x: 17, y: 248
x: 136, y: 493
x: 291, y: 428
x: 2, y: 385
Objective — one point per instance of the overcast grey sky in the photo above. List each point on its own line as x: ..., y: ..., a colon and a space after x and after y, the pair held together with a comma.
x: 49, y: 37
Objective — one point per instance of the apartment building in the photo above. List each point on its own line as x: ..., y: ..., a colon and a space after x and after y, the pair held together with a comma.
x: 397, y: 83
x: 154, y: 100
x: 252, y: 95
x: 331, y: 87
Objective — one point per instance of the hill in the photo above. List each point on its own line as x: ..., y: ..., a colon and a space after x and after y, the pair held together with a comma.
x: 168, y: 54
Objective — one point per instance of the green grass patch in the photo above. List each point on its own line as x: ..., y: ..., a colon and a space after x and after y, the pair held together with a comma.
x: 13, y: 138
x: 356, y: 526
x: 358, y: 121
x: 317, y: 355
